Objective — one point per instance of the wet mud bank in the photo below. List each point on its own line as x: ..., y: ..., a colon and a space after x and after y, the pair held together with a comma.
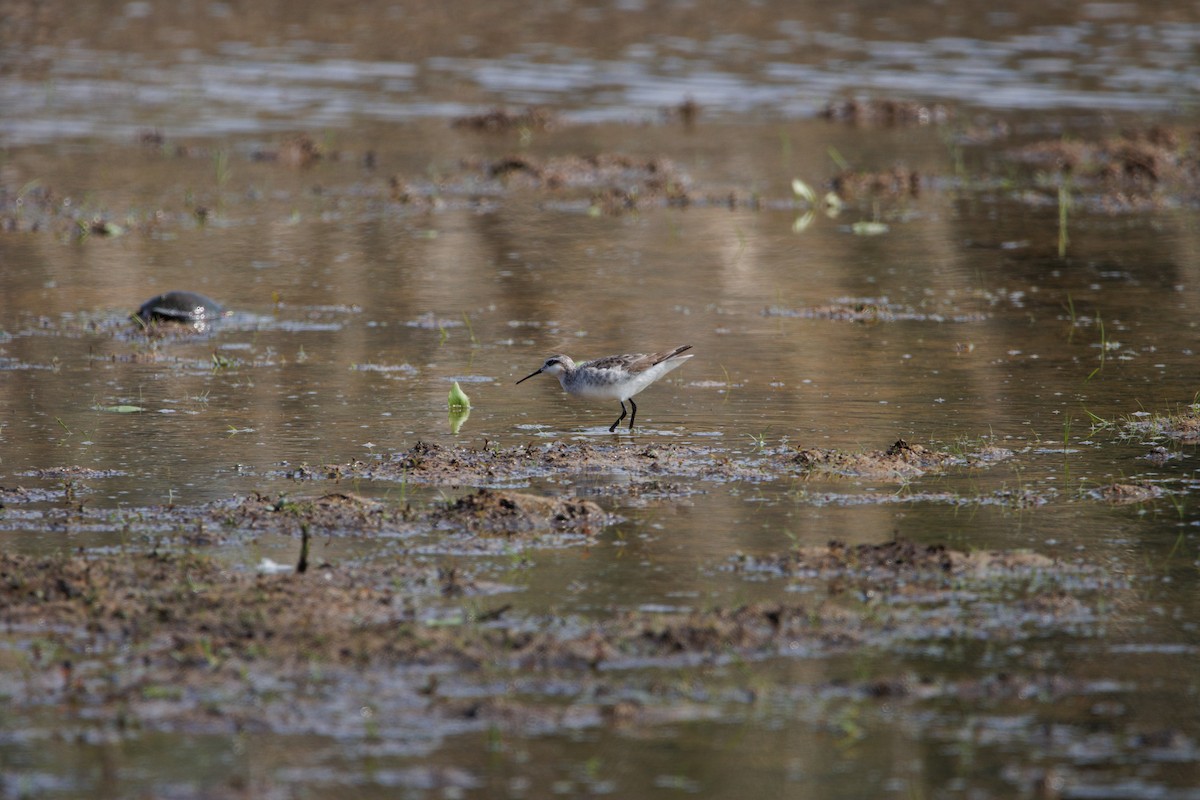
x: 179, y: 640
x: 474, y: 466
x: 166, y: 631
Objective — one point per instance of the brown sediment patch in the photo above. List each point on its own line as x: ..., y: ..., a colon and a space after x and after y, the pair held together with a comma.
x: 431, y: 322
x: 343, y: 511
x: 498, y: 120
x: 897, y: 182
x: 1160, y: 455
x: 465, y: 466
x: 73, y: 472
x: 895, y: 561
x: 886, y: 111
x: 156, y: 331
x: 32, y: 209
x: 687, y: 112
x: 610, y: 182
x: 642, y: 492
x: 486, y: 511
x: 928, y: 587
x: 180, y: 639
x: 870, y: 310
x: 1155, y: 154
x: 20, y: 494
x: 1006, y: 498
x: 515, y: 512
x: 13, y: 365
x: 37, y: 209
x: 1125, y: 493
x: 600, y: 170
x: 601, y: 183
x: 298, y: 152
x: 540, y: 521
x: 991, y: 687
x: 1184, y: 427
x: 901, y: 461
x: 140, y: 597
x: 1142, y: 169
x: 173, y: 604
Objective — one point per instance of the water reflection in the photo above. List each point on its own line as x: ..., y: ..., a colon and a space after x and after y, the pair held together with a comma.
x: 624, y: 66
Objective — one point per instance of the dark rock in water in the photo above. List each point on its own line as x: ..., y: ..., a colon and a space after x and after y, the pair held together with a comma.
x: 186, y: 307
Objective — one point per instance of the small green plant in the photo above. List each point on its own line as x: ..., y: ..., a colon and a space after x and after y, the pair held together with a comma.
x: 728, y: 383
x: 1064, y: 207
x: 846, y: 723
x: 206, y: 650
x: 804, y: 192
x: 1104, y: 348
x: 741, y: 251
x: 495, y: 739
x: 458, y: 399
x: 1176, y: 500
x: 1073, y: 318
x: 1098, y: 422
x: 838, y: 159
x: 470, y: 330
x: 221, y: 167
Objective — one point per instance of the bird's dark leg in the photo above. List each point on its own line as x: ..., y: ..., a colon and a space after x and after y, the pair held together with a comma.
x: 632, y: 416
x: 618, y: 422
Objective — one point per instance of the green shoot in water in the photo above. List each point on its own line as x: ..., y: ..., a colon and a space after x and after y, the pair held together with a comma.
x: 1064, y: 205
x: 1071, y: 313
x: 1103, y: 351
x: 838, y: 159
x: 470, y: 330
x: 458, y: 398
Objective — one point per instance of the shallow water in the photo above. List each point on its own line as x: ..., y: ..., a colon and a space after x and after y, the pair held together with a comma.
x: 355, y: 313
x: 219, y: 69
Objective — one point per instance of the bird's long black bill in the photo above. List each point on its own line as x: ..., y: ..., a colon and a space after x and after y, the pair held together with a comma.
x: 530, y: 375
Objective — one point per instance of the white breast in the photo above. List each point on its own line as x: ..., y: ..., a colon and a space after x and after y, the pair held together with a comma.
x: 615, y: 384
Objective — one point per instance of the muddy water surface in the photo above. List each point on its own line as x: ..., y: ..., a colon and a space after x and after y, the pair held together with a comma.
x: 917, y: 518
